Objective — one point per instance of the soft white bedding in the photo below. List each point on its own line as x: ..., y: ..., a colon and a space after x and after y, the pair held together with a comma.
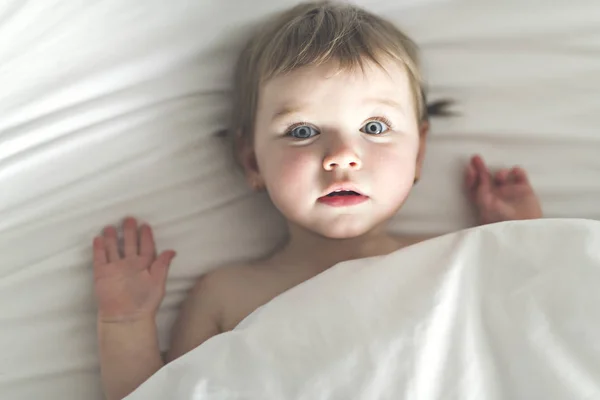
x: 107, y: 108
x: 507, y: 311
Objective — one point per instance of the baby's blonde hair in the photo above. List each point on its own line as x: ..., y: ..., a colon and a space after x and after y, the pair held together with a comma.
x: 314, y: 33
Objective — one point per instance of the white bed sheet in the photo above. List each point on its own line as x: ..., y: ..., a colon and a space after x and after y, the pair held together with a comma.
x: 108, y: 109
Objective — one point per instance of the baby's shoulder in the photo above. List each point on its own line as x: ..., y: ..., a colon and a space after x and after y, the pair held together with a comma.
x: 216, y: 299
x: 237, y: 290
x: 219, y: 283
x: 229, y: 278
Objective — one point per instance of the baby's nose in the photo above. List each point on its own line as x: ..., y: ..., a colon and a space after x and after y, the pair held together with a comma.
x: 342, y: 158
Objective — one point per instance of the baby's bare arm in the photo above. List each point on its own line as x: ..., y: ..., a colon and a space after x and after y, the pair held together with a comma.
x: 198, y: 320
x: 129, y: 355
x: 129, y: 283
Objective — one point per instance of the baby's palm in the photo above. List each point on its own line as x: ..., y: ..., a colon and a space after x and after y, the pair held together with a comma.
x: 506, y: 196
x: 130, y: 284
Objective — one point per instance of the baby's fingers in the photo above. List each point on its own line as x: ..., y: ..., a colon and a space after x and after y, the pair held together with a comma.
x: 503, y: 177
x: 130, y: 237
x: 160, y: 267
x: 482, y: 171
x: 470, y: 177
x: 481, y: 192
x: 519, y: 175
x: 99, y: 257
x: 147, y: 246
x: 483, y: 182
x: 111, y: 244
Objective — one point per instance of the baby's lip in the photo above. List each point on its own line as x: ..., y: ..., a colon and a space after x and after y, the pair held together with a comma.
x: 342, y: 187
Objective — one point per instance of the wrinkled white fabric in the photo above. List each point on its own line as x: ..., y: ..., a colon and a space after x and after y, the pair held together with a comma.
x: 107, y: 109
x: 508, y: 311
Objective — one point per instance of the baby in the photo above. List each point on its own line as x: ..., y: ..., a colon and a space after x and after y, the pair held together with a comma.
x: 330, y: 119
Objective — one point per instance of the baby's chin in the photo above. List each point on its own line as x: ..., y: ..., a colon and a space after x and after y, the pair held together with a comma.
x: 342, y: 234
x: 345, y: 229
x: 334, y: 224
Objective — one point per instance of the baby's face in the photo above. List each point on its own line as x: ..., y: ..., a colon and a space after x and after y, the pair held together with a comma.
x: 319, y: 129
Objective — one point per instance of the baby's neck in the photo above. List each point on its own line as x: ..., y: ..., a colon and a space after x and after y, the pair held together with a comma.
x: 311, y: 251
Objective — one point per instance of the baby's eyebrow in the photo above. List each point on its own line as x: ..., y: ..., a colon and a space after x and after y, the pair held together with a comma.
x: 385, y: 101
x: 287, y: 109
x: 295, y: 108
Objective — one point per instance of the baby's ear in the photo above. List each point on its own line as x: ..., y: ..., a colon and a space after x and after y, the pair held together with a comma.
x: 246, y: 157
x: 423, y: 132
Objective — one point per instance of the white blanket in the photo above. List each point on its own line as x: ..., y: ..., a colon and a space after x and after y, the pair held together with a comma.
x: 508, y: 311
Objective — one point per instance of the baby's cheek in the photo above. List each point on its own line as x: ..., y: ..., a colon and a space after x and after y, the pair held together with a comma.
x: 290, y: 176
x: 395, y: 172
x: 288, y: 166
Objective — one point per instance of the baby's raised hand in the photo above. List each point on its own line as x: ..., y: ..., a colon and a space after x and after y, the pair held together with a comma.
x: 129, y: 282
x: 506, y: 195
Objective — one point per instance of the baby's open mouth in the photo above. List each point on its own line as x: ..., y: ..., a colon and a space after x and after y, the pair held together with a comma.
x: 343, y: 193
x: 343, y: 198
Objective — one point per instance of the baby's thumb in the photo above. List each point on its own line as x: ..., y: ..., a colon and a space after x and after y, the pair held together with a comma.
x: 160, y: 267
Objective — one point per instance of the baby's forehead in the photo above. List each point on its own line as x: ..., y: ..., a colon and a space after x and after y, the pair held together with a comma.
x: 313, y: 85
x: 386, y: 76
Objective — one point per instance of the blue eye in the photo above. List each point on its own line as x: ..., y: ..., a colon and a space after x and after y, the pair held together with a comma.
x: 375, y: 127
x: 303, y: 132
